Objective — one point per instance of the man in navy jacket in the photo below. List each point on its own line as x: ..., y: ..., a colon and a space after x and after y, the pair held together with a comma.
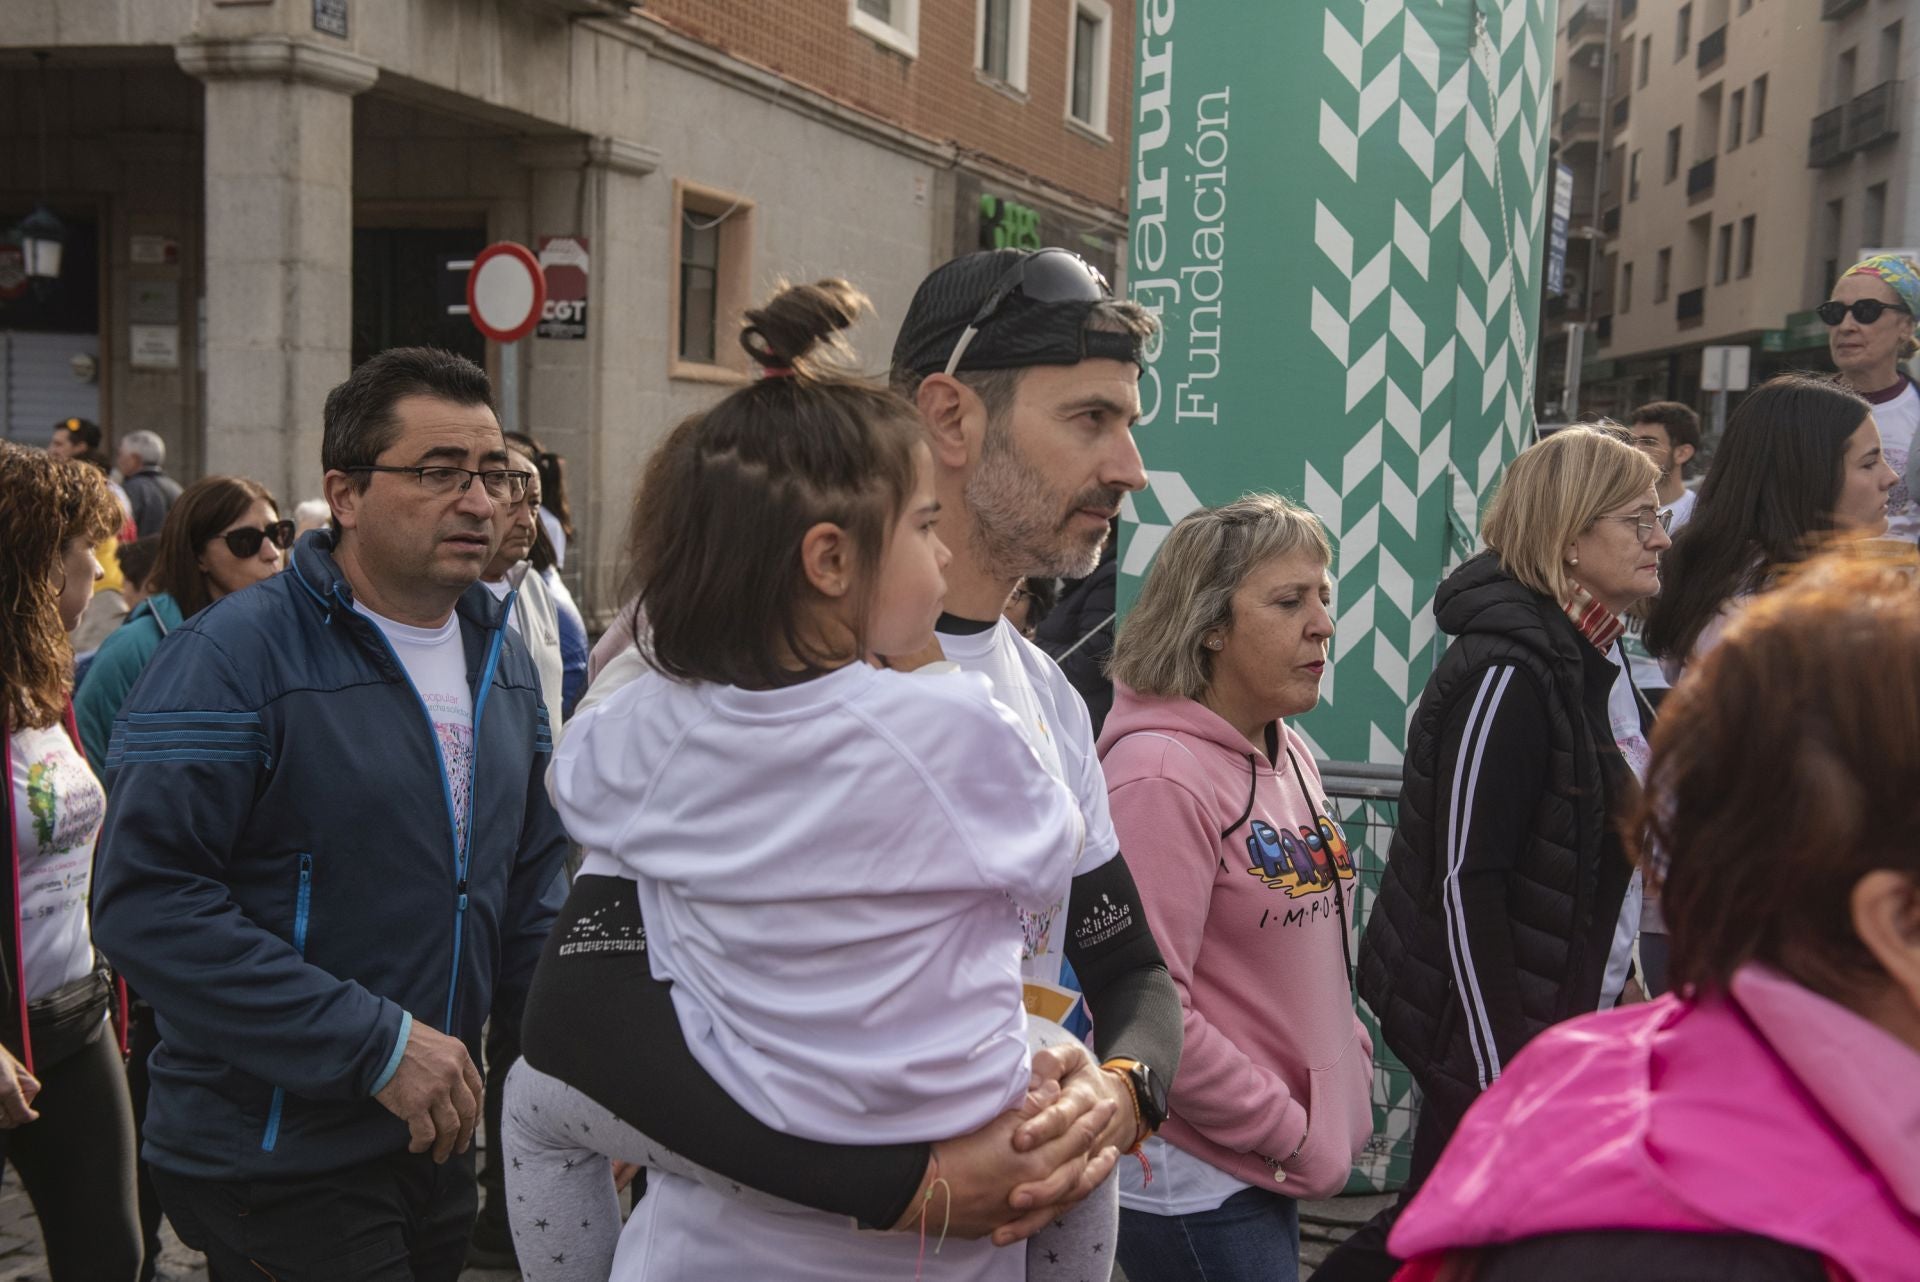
x: 329, y: 854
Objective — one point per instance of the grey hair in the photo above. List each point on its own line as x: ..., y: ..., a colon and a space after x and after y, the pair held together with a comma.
x: 1161, y: 650
x: 147, y: 446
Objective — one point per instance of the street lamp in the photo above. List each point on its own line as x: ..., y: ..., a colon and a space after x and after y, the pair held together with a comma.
x: 42, y: 239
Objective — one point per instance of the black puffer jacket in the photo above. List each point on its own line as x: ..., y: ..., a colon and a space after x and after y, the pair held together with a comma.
x: 1505, y: 876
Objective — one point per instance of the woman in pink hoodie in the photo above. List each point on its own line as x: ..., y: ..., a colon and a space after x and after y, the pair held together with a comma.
x: 1762, y: 1122
x: 1248, y: 886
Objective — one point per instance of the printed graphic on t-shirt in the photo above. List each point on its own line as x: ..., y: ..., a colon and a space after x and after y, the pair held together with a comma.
x: 67, y: 805
x: 1303, y: 862
x: 454, y: 727
x: 1901, y: 517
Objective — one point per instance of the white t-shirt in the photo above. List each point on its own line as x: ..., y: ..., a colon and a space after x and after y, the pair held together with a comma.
x: 435, y: 660
x: 1054, y: 719
x: 1647, y: 672
x: 1623, y: 714
x: 58, y: 806
x: 557, y: 536
x: 1899, y: 419
x: 825, y: 872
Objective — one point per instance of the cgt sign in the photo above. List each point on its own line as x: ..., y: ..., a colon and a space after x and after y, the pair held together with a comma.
x: 564, y: 260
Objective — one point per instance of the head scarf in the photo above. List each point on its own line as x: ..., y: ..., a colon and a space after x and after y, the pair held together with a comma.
x: 1900, y: 274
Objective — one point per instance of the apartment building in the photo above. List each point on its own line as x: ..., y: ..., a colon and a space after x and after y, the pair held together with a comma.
x: 1730, y: 157
x: 258, y: 193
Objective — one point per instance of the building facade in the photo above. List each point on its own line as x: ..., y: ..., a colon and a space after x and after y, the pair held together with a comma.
x: 259, y: 193
x: 1729, y: 159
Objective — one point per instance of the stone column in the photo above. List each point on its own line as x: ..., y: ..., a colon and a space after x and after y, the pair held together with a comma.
x: 279, y: 249
x: 600, y: 403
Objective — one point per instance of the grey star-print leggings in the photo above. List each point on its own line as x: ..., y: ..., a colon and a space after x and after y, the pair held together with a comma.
x: 566, y: 1215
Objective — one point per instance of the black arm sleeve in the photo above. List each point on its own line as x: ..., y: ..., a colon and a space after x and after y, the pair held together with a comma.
x: 599, y: 1021
x: 1135, y: 1007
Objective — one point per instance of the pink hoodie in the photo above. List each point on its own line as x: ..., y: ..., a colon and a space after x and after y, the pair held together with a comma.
x: 1773, y: 1112
x: 1249, y: 927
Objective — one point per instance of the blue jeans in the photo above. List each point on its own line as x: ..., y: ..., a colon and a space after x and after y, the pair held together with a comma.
x: 1254, y: 1236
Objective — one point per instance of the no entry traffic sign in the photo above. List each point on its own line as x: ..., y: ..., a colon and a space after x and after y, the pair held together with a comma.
x: 505, y: 291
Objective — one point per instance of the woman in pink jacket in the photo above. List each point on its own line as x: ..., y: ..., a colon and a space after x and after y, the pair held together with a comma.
x: 1762, y: 1123
x: 1248, y: 886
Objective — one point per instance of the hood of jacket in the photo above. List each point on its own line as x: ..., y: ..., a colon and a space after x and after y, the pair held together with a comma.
x: 1481, y: 597
x: 1240, y: 887
x: 1772, y: 1112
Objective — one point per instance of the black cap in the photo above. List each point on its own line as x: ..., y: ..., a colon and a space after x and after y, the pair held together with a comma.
x: 1022, y: 332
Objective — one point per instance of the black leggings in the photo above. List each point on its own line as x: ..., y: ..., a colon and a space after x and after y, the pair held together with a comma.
x: 76, y: 1162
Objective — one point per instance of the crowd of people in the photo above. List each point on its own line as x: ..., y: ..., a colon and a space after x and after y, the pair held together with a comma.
x: 343, y: 846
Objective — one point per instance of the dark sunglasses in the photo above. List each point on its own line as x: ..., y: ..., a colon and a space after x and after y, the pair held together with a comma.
x: 1045, y: 276
x: 245, y: 541
x: 1866, y: 310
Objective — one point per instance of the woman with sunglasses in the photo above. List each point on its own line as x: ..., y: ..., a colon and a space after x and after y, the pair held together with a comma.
x: 1872, y: 326
x: 223, y: 533
x: 1801, y: 464
x: 1509, y: 903
x: 1247, y: 886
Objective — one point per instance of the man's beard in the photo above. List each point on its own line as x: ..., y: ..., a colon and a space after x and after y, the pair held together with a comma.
x: 1020, y: 524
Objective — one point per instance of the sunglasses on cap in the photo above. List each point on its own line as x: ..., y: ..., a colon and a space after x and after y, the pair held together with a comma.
x: 245, y: 541
x: 1045, y: 276
x: 1866, y: 310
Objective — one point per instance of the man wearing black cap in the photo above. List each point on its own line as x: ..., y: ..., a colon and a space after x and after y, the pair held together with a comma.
x: 1025, y: 371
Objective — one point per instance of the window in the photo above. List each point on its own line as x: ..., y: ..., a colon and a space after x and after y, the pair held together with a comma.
x: 1673, y: 153
x: 1736, y: 118
x: 1683, y: 32
x: 712, y: 251
x: 1633, y: 177
x: 1723, y: 255
x: 1873, y: 218
x: 1003, y: 41
x: 1626, y: 290
x: 1746, y: 246
x: 1836, y: 224
x: 1662, y: 275
x: 1844, y: 77
x: 1759, y: 97
x: 1646, y: 59
x: 894, y: 23
x: 1089, y: 53
x: 1890, y: 53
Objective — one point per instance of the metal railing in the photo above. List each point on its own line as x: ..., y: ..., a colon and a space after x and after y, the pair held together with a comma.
x: 1582, y: 18
x: 1873, y: 117
x: 1712, y: 48
x: 1700, y: 177
x: 1826, y: 146
x: 1579, y: 118
x: 1366, y: 802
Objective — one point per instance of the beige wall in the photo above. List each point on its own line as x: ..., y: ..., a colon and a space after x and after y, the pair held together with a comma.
x: 1863, y: 31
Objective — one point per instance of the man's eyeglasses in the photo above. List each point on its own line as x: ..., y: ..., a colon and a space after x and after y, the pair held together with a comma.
x: 445, y: 482
x: 1645, y: 520
x: 1865, y: 310
x: 1045, y: 276
x: 245, y: 541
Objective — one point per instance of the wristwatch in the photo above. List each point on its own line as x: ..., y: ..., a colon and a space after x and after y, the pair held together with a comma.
x: 1149, y: 1092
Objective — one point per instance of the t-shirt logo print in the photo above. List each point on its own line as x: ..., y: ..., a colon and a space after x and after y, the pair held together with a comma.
x: 1300, y: 865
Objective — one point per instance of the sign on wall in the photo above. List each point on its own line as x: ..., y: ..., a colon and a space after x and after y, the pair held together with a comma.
x: 565, y: 261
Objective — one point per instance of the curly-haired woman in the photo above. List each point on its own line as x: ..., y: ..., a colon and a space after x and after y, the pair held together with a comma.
x: 65, y: 1121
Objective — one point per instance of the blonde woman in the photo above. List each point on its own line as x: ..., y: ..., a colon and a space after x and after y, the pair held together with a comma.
x: 1509, y: 903
x: 1248, y: 889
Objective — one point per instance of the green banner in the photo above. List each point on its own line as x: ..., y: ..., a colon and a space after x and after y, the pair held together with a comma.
x: 1338, y: 214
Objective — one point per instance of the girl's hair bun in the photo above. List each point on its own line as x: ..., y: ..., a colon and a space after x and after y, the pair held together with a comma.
x: 800, y: 329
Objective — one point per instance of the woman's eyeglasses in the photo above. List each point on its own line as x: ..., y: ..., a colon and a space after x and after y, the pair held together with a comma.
x: 245, y: 541
x: 1865, y: 310
x: 1645, y: 520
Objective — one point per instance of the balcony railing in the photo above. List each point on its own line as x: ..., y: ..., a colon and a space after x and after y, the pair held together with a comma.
x: 1610, y: 221
x: 1584, y: 19
x: 1873, y: 117
x: 1691, y: 307
x: 1712, y: 48
x: 1580, y: 118
x: 1826, y: 146
x: 1620, y: 113
x: 1831, y: 9
x: 1700, y: 178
